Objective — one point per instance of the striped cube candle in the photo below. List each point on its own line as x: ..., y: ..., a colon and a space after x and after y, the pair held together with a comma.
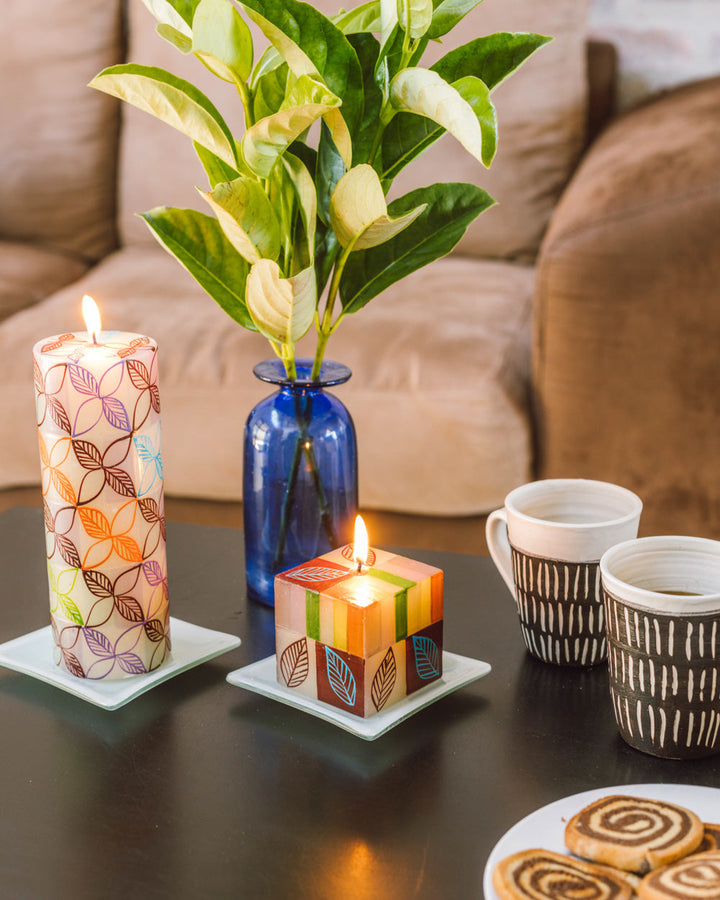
x: 359, y: 637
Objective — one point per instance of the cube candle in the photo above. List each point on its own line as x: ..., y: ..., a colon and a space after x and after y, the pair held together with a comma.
x: 360, y: 638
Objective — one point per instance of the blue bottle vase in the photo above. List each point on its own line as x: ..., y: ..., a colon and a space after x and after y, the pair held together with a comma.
x: 300, y: 484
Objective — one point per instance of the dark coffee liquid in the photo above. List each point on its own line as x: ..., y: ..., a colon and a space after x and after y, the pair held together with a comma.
x: 679, y: 593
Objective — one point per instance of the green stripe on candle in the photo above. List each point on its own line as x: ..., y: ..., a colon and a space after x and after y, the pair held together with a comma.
x: 312, y: 614
x: 390, y: 578
x: 401, y: 615
x: 401, y: 599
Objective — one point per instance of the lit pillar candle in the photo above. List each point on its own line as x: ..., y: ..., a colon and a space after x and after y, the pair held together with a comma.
x: 359, y: 628
x: 98, y: 417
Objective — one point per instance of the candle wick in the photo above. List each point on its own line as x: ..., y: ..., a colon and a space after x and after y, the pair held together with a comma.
x: 94, y: 339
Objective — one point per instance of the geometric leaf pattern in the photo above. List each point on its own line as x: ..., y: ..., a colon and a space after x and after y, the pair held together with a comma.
x: 98, y: 418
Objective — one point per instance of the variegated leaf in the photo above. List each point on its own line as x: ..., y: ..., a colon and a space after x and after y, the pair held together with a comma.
x: 358, y: 212
x: 424, y: 92
x: 282, y: 308
x: 247, y: 217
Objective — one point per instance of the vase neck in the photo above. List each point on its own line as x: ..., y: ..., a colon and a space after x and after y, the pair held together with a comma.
x: 273, y: 372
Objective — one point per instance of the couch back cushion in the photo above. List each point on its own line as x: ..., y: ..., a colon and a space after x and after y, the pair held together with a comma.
x: 58, y: 138
x: 541, y: 112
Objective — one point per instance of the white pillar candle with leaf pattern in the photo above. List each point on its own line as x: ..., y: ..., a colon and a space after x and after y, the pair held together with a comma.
x: 98, y: 417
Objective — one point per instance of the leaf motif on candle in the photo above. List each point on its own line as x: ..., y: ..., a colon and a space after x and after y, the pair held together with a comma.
x: 82, y: 380
x: 148, y: 451
x: 314, y: 574
x: 427, y: 657
x: 115, y: 413
x: 58, y: 415
x: 126, y: 548
x: 98, y: 584
x: 68, y: 551
x: 129, y: 608
x: 70, y: 609
x: 94, y: 523
x: 342, y: 680
x: 120, y: 482
x: 72, y: 664
x: 87, y: 454
x: 154, y: 630
x: 295, y: 663
x: 384, y: 680
x: 131, y: 663
x: 139, y: 374
x: 97, y: 642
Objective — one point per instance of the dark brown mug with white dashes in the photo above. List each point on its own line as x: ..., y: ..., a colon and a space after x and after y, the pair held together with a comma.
x: 546, y: 542
x: 662, y: 617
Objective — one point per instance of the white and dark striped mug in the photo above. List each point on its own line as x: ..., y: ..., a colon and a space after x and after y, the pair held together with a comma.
x: 662, y: 615
x: 546, y: 542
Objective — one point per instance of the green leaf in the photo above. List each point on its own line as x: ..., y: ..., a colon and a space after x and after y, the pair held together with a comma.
x: 367, y: 48
x: 447, y: 15
x: 177, y: 38
x: 283, y: 309
x: 424, y: 92
x: 329, y: 169
x: 269, y: 92
x: 305, y: 103
x: 70, y: 609
x: 327, y: 250
x: 173, y: 100
x: 247, y: 218
x: 415, y: 16
x: 491, y: 59
x: 359, y: 214
x: 362, y: 18
x: 222, y: 40
x: 450, y: 209
x: 312, y: 45
x: 198, y: 242
x: 215, y: 169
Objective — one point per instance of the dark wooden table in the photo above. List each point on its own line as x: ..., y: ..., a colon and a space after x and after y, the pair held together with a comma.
x: 200, y: 789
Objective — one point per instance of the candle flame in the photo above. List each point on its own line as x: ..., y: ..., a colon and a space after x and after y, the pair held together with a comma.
x: 360, y: 546
x: 91, y: 314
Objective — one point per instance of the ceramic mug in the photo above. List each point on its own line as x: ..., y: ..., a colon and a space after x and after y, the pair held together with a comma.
x: 662, y: 612
x: 547, y: 541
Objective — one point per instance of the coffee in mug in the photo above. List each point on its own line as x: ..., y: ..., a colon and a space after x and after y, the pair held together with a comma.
x: 662, y: 614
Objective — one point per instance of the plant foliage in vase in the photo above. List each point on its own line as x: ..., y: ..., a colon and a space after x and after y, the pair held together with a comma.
x: 301, y: 233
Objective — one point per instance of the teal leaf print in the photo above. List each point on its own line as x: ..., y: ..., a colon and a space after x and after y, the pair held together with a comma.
x: 341, y: 679
x: 427, y: 657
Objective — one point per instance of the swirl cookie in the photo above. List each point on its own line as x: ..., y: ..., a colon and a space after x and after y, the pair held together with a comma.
x: 697, y: 877
x: 711, y: 841
x: 544, y: 875
x: 633, y: 834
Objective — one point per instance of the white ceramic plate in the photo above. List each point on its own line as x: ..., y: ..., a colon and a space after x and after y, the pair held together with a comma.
x: 32, y: 654
x: 261, y: 678
x: 546, y: 826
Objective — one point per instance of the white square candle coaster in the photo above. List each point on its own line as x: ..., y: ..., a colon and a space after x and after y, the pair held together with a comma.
x: 32, y: 654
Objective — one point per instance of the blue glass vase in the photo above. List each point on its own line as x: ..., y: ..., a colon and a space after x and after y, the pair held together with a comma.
x: 300, y: 484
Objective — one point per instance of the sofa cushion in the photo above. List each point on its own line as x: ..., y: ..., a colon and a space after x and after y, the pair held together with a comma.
x: 439, y: 374
x: 58, y: 138
x: 628, y: 314
x: 29, y: 273
x: 541, y: 115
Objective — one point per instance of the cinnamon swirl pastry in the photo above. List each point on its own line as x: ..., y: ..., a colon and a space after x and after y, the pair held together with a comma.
x: 697, y: 877
x: 544, y: 875
x: 633, y: 834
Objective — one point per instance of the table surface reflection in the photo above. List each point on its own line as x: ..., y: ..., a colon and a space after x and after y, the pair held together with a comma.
x: 201, y: 789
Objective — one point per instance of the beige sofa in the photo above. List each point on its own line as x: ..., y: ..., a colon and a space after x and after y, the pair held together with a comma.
x: 443, y: 385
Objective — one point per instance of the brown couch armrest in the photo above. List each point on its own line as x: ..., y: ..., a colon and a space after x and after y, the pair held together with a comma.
x: 626, y: 356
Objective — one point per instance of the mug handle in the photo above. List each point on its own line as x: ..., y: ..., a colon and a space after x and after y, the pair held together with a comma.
x: 496, y: 534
